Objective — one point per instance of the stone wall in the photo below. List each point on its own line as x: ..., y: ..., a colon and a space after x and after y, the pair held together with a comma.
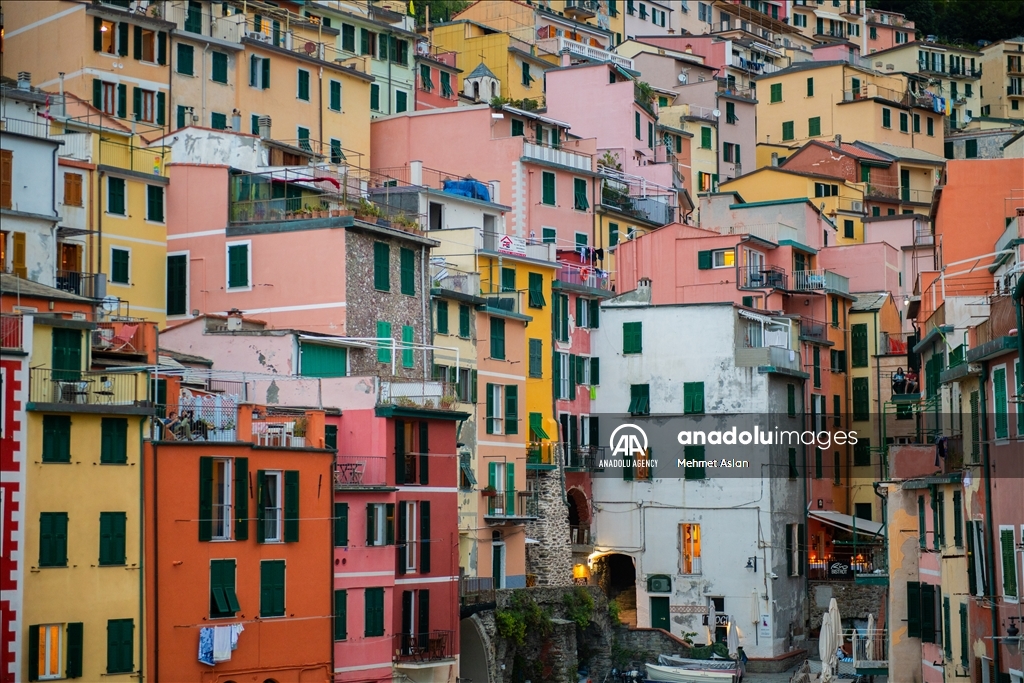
x: 551, y: 558
x: 854, y: 601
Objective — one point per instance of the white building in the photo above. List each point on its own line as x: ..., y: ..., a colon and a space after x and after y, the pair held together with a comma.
x: 715, y: 541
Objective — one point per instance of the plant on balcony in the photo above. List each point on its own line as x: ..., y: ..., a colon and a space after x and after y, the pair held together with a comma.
x: 644, y: 94
x: 609, y: 160
x: 448, y: 401
x: 526, y: 104
x: 368, y: 211
x: 406, y: 223
x: 404, y: 402
x: 300, y: 427
x: 489, y: 492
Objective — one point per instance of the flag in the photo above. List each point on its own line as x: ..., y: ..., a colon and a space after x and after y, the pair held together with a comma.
x: 412, y: 9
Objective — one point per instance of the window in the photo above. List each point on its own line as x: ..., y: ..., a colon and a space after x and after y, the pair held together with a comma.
x: 120, y: 646
x: 917, y: 123
x: 239, y: 265
x: 794, y: 471
x: 464, y: 321
x: 407, y: 262
x: 776, y: 93
x: 56, y: 438
x: 705, y: 137
x: 931, y: 127
x: 381, y: 266
x: 337, y: 155
x: 517, y: 128
x: 335, y: 96
x: 814, y: 126
x: 904, y: 122
x: 580, y: 202
x: 886, y: 118
x: 218, y: 121
x: 269, y: 510
x: 303, y: 85
x: 374, y: 97
x: 120, y: 260
x: 497, y: 338
x: 116, y: 196
x: 825, y: 190
x: 547, y: 188
x: 536, y: 290
x: 46, y: 647
x: 446, y: 85
x: 1008, y: 556
x: 495, y: 394
x: 219, y: 71
x: 223, y: 600
x: 693, y: 397
x: 110, y: 37
x: 730, y: 117
x: 259, y: 72
x: 340, y: 525
x: 380, y: 524
x: 637, y: 131
x: 999, y: 402
x: 53, y: 539
x: 536, y: 357
x: 425, y: 81
x: 727, y: 151
x: 787, y: 131
x: 848, y: 229
x: 810, y: 87
x: 861, y: 399
x: 72, y: 189
x: 340, y: 615
x: 272, y: 588
x: 113, y: 439
x: 970, y: 149
x: 689, y: 535
x: 549, y: 235
x: 791, y: 400
x: 508, y: 279
x: 639, y: 399
x: 441, y: 326
x: 408, y: 351
x: 373, y: 624
x: 632, y: 337
x: 155, y: 203
x: 527, y: 78
x: 348, y: 37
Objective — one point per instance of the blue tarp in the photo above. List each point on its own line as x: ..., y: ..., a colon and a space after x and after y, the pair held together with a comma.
x: 473, y: 189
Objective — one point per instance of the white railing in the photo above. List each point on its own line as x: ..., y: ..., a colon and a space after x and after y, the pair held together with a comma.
x: 811, y: 280
x: 76, y: 145
x: 696, y: 112
x: 772, y: 356
x: 230, y: 28
x: 556, y: 45
x: 755, y: 65
x: 772, y: 232
x: 870, y: 648
x: 557, y: 156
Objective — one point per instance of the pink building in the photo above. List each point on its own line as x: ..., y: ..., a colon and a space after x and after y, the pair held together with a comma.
x: 887, y: 30
x: 837, y: 49
x: 437, y: 81
x: 738, y: 56
x: 546, y: 176
x: 879, y: 174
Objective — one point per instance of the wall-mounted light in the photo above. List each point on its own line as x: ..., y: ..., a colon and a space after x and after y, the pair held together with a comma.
x: 821, y: 503
x: 906, y: 300
x: 752, y: 563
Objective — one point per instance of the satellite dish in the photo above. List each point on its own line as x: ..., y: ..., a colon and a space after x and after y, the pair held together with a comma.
x: 683, y: 78
x: 310, y: 48
x: 967, y: 118
x: 716, y: 113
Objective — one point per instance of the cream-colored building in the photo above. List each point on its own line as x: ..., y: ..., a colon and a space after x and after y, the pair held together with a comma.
x: 1002, y: 79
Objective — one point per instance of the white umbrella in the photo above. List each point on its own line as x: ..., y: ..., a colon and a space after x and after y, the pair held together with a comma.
x: 869, y: 644
x: 837, y: 623
x: 711, y: 623
x: 826, y: 648
x: 755, y: 613
x: 733, y: 640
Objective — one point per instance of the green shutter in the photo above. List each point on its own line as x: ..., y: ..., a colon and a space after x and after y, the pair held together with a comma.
x: 122, y: 39
x: 340, y: 525
x: 223, y: 599
x: 74, y: 650
x: 408, y: 352
x: 859, y: 344
x: 57, y: 437
x: 816, y: 363
x: 137, y: 103
x: 497, y: 338
x: 374, y: 97
x: 112, y: 538
x: 632, y: 337
x: 794, y: 471
x: 964, y: 643
x: 120, y: 646
x: 382, y: 266
x: 810, y: 87
x: 818, y: 468
x: 1008, y: 553
x: 218, y: 121
x: 693, y: 397
x: 913, y: 609
x: 791, y: 400
x: 511, y: 409
x: 862, y: 453
x: 776, y: 92
x: 425, y: 536
x: 510, y: 487
x: 303, y: 93
x: 161, y: 115
x: 97, y: 34
x: 536, y: 290
x: 340, y: 614
x: 318, y: 360
x: 424, y: 453
x: 115, y: 196
x: 999, y: 403
x: 814, y: 126
x: 594, y: 319
x: 97, y: 92
x: 548, y: 188
x: 241, y: 492
x: 595, y: 372
x: 401, y: 101
x: 705, y: 137
x: 265, y: 73
x: 335, y: 100
x: 206, y: 498
x: 556, y: 375
x: 122, y: 101
x: 442, y: 317
x: 886, y: 118
x: 958, y: 519
x: 291, y: 506
x: 373, y: 618
x: 787, y: 131
x: 53, y: 539
x: 927, y: 613
x: 161, y: 48
x: 947, y: 629
x: 238, y: 265
x: 704, y: 260
x: 220, y: 67
x: 536, y: 362
x: 464, y: 321
x: 489, y: 415
x: 384, y: 342
x: 155, y: 203
x: 695, y: 472
x: 272, y: 588
x: 580, y: 202
x: 407, y: 260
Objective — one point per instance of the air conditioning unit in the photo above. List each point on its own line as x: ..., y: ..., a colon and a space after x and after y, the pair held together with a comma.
x: 256, y: 35
x: 857, y: 206
x: 659, y: 583
x: 70, y: 392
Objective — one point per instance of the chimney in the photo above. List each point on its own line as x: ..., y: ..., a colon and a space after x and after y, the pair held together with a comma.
x: 775, y: 158
x: 24, y: 80
x: 234, y: 319
x: 495, y: 191
x: 644, y: 283
x: 264, y: 122
x: 839, y: 140
x: 566, y: 58
x: 236, y: 120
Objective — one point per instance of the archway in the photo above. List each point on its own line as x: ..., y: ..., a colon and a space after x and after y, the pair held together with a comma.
x: 616, y: 574
x: 579, y: 516
x: 474, y: 655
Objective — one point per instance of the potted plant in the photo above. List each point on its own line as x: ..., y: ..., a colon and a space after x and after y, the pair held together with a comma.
x: 489, y: 491
x: 300, y: 427
x: 367, y: 211
x: 448, y: 401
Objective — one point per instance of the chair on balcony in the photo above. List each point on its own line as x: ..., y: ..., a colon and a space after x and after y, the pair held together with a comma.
x: 122, y: 341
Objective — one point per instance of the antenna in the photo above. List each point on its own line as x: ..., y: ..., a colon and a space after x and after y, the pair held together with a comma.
x: 716, y: 113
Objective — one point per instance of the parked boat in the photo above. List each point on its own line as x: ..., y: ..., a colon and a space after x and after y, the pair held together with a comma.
x: 678, y: 674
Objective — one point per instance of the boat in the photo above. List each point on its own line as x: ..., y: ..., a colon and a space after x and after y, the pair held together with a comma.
x: 733, y: 666
x: 678, y: 674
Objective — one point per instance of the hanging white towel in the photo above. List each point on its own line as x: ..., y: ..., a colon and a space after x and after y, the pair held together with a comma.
x: 222, y: 643
x: 235, y: 630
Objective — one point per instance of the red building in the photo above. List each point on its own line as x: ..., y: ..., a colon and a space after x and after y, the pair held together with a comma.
x: 437, y: 81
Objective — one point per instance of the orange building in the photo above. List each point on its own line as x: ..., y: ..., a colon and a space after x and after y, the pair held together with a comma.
x: 238, y: 543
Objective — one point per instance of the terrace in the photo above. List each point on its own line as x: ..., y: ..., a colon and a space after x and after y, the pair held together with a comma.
x: 360, y: 472
x: 420, y: 648
x: 820, y: 280
x: 636, y: 196
x: 511, y: 504
x: 221, y: 419
x: 11, y: 331
x: 93, y: 392
x: 581, y: 276
x: 556, y: 46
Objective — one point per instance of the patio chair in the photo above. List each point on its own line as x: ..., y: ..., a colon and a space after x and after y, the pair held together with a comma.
x: 123, y: 340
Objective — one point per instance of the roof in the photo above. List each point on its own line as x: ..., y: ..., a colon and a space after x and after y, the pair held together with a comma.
x: 897, y: 152
x: 838, y: 519
x: 185, y: 357
x: 1014, y: 139
x: 870, y: 301
x: 812, y: 66
x: 779, y: 169
x: 480, y: 71
x: 918, y: 44
x: 845, y: 148
x: 12, y: 284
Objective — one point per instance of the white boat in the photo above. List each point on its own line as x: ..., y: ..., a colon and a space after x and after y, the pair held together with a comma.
x: 676, y: 674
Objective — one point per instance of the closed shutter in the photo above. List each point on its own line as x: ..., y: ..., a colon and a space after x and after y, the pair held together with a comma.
x: 114, y: 440
x: 408, y: 353
x: 122, y: 101
x: 791, y: 400
x: 303, y: 93
x: 97, y: 34
x: 272, y: 588
x: 816, y: 356
x: 632, y: 337
x: 814, y: 126
x: 374, y: 97
x: 927, y: 613
x: 53, y: 539
x: 291, y: 506
x: 122, y: 39
x: 704, y: 260
x: 999, y: 403
x: 511, y: 409
x: 424, y: 453
x: 921, y: 529
x: 972, y: 575
x: 442, y: 317
x: 408, y: 271
x: 964, y: 646
x: 801, y: 536
x: 425, y: 537
x: 384, y: 343
x: 1008, y: 553
x: 115, y: 196
x: 340, y: 614
x: 705, y: 137
x: 373, y: 617
x: 74, y: 650
x: 595, y: 372
x: 97, y: 94
x: 341, y: 525
x: 371, y: 524
x: 238, y: 265
x: 913, y: 609
x: 958, y: 520
x: 787, y: 130
x: 206, y: 498
x: 535, y: 361
x: 161, y: 48
x: 497, y: 338
x: 694, y: 472
x: 155, y: 203
x: 573, y: 377
x: 693, y: 397
x: 402, y: 540
x: 594, y: 320
x: 265, y: 73
x: 177, y: 285
x: 464, y: 321
x: 241, y: 485
x: 112, y: 538
x: 947, y: 629
x: 789, y: 544
x: 381, y: 266
x: 556, y: 375
x: 56, y: 438
x: 861, y: 398
x: 220, y: 67
x: 510, y: 488
x: 120, y: 646
x: 548, y: 188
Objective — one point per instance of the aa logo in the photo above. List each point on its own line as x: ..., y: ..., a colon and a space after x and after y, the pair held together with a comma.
x: 628, y: 441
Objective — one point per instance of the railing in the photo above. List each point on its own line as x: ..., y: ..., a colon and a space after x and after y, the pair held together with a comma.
x: 581, y: 457
x: 893, y: 344
x: 557, y: 155
x: 513, y: 503
x: 762, y: 277
x: 580, y: 535
x: 11, y: 331
x: 582, y: 275
x: 813, y: 329
x: 76, y: 145
x: 767, y: 356
x: 510, y: 302
x: 754, y: 66
x: 540, y: 453
x: 209, y: 418
x: 870, y: 648
x: 360, y: 470
x: 476, y: 590
x: 445, y: 278
x: 77, y: 388
x: 814, y: 280
x: 119, y: 337
x: 587, y: 8
x: 556, y: 45
x: 279, y: 431
x: 423, y: 394
x: 869, y: 90
x: 424, y: 647
x: 693, y: 111
x: 91, y: 285
x: 772, y: 232
x: 230, y: 28
x: 648, y: 208
x: 958, y: 356
x: 818, y: 570
x: 149, y: 160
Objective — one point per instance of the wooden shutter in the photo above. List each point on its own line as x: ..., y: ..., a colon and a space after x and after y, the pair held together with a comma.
x: 122, y: 101
x: 424, y: 453
x: 947, y: 629
x: 958, y: 519
x: 536, y: 350
x: 33, y: 652
x: 241, y: 485
x: 704, y: 261
x: 74, y: 650
x: 371, y: 524
x: 425, y: 537
x: 511, y: 409
x: 161, y: 48
x: 921, y: 529
x: 122, y: 39
x: 340, y: 525
x: 510, y: 488
x: 114, y: 440
x: 913, y: 609
x: 1008, y: 552
x: 137, y: 47
x: 291, y: 506
x: 489, y: 415
x: 97, y: 34
x: 442, y: 317
x: 423, y: 616
x: 400, y: 447
x: 595, y: 314
x: 206, y: 498
x: 801, y: 540
x: 556, y: 374
x: 261, y: 510
x: 972, y: 576
x: 999, y: 403
x: 548, y: 188
x: 789, y: 547
x: 381, y: 266
x: 403, y: 540
x: 927, y: 613
x: 340, y: 614
x: 265, y: 73
x: 6, y: 179
x: 389, y: 524
x: 97, y: 93
x: 573, y: 377
x: 272, y: 588
x: 964, y: 646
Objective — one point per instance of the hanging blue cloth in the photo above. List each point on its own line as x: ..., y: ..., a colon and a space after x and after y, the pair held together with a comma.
x: 206, y: 645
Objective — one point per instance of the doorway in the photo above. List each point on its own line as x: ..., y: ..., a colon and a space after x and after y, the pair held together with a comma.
x: 497, y: 561
x: 659, y: 613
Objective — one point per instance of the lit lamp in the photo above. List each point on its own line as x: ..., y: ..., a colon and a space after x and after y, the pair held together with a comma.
x: 579, y: 571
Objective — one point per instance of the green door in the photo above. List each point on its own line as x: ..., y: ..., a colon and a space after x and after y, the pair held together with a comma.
x: 905, y: 185
x: 659, y: 613
x: 67, y: 354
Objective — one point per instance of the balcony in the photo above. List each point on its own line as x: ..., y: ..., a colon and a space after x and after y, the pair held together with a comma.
x: 476, y: 590
x: 813, y: 330
x: 540, y: 455
x: 128, y: 337
x: 870, y: 651
x: 96, y: 392
x: 506, y: 302
x: 417, y: 395
x: 555, y: 46
x: 557, y: 155
x: 422, y: 648
x: 581, y: 10
x: 581, y: 458
x: 512, y: 505
x: 693, y: 111
x: 279, y: 432
x: 754, y: 66
x: 895, y: 344
x: 90, y: 285
x: 582, y: 276
x: 75, y: 145
x: 148, y: 160
x: 11, y: 329
x: 215, y: 25
x: 360, y: 471
x: 762, y: 277
x: 820, y: 280
x: 634, y: 202
x: 769, y: 359
x: 203, y: 418
x: 451, y: 280
x: 729, y: 87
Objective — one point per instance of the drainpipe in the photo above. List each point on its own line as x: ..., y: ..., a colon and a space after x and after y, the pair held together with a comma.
x: 320, y: 111
x: 99, y: 214
x: 882, y: 474
x: 142, y: 543
x: 1018, y: 296
x: 989, y: 543
x: 155, y: 669
x: 206, y: 47
x: 425, y: 308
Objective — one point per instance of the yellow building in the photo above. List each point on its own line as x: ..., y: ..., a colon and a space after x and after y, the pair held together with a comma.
x: 700, y: 125
x: 814, y: 100
x: 83, y: 585
x: 841, y: 201
x: 1002, y: 79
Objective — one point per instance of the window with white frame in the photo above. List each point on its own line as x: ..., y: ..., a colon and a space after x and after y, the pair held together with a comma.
x: 585, y: 421
x: 376, y: 524
x: 794, y: 548
x: 270, y: 502
x: 239, y: 265
x: 583, y: 310
x: 222, y: 499
x: 689, y: 540
x: 497, y: 416
x: 583, y: 365
x: 50, y: 655
x: 563, y: 375
x: 410, y: 536
x: 723, y: 258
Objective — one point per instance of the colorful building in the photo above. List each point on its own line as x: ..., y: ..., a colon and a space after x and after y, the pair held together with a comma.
x: 1003, y: 79
x: 437, y: 81
x: 887, y: 29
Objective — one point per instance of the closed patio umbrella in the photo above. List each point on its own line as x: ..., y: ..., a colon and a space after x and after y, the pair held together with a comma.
x: 826, y: 648
x: 711, y: 623
x: 869, y: 643
x: 733, y: 640
x: 837, y: 622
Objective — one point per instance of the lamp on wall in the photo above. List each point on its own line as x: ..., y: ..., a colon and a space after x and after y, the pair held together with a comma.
x: 752, y: 563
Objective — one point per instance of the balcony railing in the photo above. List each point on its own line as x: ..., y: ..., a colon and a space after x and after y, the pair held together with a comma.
x: 204, y: 418
x: 762, y: 277
x: 815, y: 330
x: 230, y: 28
x: 894, y: 344
x: 768, y: 356
x: 442, y: 277
x: 656, y: 210
x: 77, y: 388
x: 754, y: 66
x: 513, y: 504
x: 423, y: 394
x: 11, y: 327
x: 580, y: 535
x: 354, y: 471
x: 120, y: 337
x: 870, y: 649
x: 149, y: 160
x: 557, y: 155
x: 556, y: 45
x: 91, y: 285
x: 817, y: 280
x: 540, y: 453
x: 583, y: 276
x: 424, y: 647
x: 581, y: 457
x: 510, y: 302
x: 279, y: 431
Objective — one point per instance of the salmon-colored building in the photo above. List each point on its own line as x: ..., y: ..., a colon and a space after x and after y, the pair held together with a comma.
x: 238, y: 529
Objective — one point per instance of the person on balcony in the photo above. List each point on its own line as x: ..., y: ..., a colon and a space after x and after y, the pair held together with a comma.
x: 175, y: 428
x: 912, y: 386
x: 899, y: 381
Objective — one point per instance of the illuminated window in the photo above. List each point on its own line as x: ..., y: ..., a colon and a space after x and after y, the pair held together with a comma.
x: 690, y: 539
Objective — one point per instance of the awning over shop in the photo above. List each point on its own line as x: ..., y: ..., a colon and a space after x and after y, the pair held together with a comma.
x: 846, y: 522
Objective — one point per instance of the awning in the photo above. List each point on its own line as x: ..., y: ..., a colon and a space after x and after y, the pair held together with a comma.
x: 532, y: 541
x: 536, y: 426
x: 337, y: 341
x: 846, y: 522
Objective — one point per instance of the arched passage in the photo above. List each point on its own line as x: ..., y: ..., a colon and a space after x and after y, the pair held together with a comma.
x: 474, y: 655
x: 616, y: 574
x: 579, y: 516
